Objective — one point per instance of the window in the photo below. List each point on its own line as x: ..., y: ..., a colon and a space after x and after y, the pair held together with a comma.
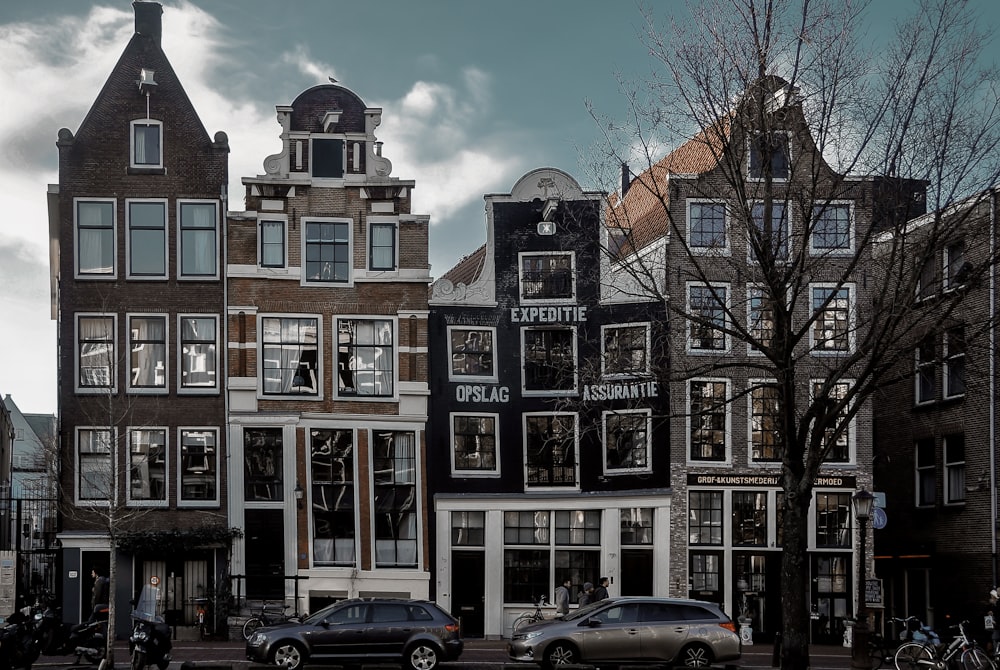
x: 626, y: 441
x: 147, y: 353
x: 365, y: 358
x: 750, y: 518
x: 536, y: 559
x: 578, y: 527
x: 526, y: 527
x: 395, y: 505
x: 468, y: 529
x: 291, y: 355
x: 769, y: 156
x: 147, y: 451
x: 96, y: 357
x: 637, y: 526
x: 147, y: 238
x: 708, y: 420
x: 328, y: 251
x: 760, y: 319
x: 956, y: 269
x: 472, y: 353
x: 705, y: 517
x: 832, y: 230
x: 954, y: 362
x: 96, y: 477
x: 833, y: 519
x: 927, y: 281
x: 474, y: 437
x: 146, y: 144
x: 272, y: 243
x: 526, y: 574
x: 198, y: 353
x: 839, y: 443
x: 705, y: 572
x: 766, y: 443
x: 382, y: 245
x: 263, y: 460
x: 926, y: 377
x: 707, y: 226
x: 625, y: 350
x: 832, y: 330
x: 926, y: 475
x: 334, y: 521
x: 199, y: 466
x: 707, y: 306
x: 954, y: 469
x: 549, y: 356
x: 198, y: 240
x: 769, y: 234
x: 96, y: 248
x: 547, y: 276
x: 550, y: 450
x: 327, y: 158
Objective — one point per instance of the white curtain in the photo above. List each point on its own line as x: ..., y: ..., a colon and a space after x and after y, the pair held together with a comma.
x: 198, y: 226
x: 383, y: 246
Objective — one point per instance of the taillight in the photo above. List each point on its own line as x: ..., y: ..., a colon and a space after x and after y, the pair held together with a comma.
x: 729, y: 625
x: 451, y: 627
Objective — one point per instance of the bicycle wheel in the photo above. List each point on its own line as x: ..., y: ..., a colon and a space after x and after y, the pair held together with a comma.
x: 910, y: 655
x: 522, y: 621
x: 976, y: 659
x: 877, y: 651
x: 252, y: 624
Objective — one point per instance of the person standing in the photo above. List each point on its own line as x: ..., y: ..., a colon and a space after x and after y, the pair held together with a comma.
x: 993, y: 623
x: 601, y: 591
x: 586, y: 594
x: 99, y: 594
x: 562, y: 598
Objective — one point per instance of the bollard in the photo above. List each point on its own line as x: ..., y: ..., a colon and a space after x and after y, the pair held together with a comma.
x: 776, y: 654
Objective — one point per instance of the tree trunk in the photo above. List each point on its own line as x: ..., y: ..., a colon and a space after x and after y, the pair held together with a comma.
x: 795, y: 584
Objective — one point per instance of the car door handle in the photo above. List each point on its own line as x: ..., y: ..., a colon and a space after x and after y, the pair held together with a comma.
x: 632, y: 631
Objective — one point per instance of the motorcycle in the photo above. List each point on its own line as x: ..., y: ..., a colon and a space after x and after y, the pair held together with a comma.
x: 88, y: 640
x: 18, y: 648
x: 149, y: 643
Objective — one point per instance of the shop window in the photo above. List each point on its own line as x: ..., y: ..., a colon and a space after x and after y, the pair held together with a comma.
x: 833, y: 519
x: 526, y: 575
x: 578, y: 527
x: 474, y: 440
x: 550, y: 450
x: 96, y: 249
x: 395, y: 506
x: 334, y: 520
x: 526, y: 527
x: 290, y: 363
x: 750, y: 518
x: 705, y: 517
x: 263, y: 460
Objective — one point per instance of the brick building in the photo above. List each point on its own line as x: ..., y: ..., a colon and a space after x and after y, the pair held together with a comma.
x: 138, y: 292
x: 327, y: 279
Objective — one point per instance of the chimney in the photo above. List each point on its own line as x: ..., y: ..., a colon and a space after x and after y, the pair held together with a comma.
x: 626, y: 181
x: 147, y: 19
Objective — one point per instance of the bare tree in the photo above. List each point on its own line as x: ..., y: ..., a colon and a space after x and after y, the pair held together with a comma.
x: 806, y: 155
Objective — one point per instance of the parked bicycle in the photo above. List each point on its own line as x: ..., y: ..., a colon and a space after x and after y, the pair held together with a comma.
x: 265, y: 616
x: 961, y: 652
x: 882, y: 650
x: 527, y: 618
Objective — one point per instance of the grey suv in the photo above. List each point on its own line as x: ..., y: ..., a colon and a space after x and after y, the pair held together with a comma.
x: 416, y: 633
x: 668, y: 631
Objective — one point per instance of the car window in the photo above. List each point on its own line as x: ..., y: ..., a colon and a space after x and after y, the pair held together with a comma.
x: 695, y: 613
x: 661, y: 612
x: 617, y: 614
x: 419, y: 613
x: 386, y: 612
x: 349, y: 614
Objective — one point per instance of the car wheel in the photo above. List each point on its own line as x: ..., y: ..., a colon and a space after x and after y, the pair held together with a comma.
x: 288, y: 655
x: 695, y: 656
x: 422, y: 656
x: 560, y: 653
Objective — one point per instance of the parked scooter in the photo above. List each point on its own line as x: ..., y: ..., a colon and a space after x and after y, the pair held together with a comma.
x: 150, y: 640
x: 88, y: 640
x: 18, y: 648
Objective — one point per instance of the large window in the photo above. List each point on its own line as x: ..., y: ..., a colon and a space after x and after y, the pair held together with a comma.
x: 544, y: 548
x: 333, y: 507
x: 626, y: 441
x: 365, y: 358
x: 147, y: 453
x: 832, y: 231
x: 382, y: 245
x: 291, y: 355
x: 839, y: 434
x: 769, y: 156
x: 147, y: 238
x: 707, y: 307
x: 147, y: 353
x: 146, y: 144
x: 769, y: 233
x: 547, y: 276
x: 954, y: 362
x: 707, y: 226
x: 96, y: 477
x: 96, y: 357
x: 766, y: 443
x: 328, y: 251
x: 272, y: 243
x: 954, y: 469
x: 708, y: 420
x: 833, y: 519
x: 550, y: 450
x: 926, y: 376
x: 395, y: 505
x: 262, y: 464
x: 760, y: 318
x: 750, y: 518
x: 95, y: 238
x: 327, y: 159
x: 705, y: 517
x: 472, y: 352
x: 925, y: 475
x: 199, y: 360
x: 198, y: 240
x: 474, y: 437
x: 199, y: 466
x: 626, y: 350
x: 549, y: 356
x: 832, y: 330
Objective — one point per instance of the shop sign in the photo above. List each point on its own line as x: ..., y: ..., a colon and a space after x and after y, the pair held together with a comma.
x: 624, y: 391
x: 555, y: 314
x: 481, y: 393
x: 763, y: 480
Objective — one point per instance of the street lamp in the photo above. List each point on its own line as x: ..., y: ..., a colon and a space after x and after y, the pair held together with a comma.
x: 863, y: 502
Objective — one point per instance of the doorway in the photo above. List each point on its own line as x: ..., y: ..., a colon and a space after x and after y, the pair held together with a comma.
x: 468, y: 594
x: 265, y: 554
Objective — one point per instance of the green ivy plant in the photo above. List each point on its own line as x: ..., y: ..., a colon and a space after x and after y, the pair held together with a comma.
x: 175, y: 539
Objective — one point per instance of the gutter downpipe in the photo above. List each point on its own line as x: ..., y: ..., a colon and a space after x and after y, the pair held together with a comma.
x: 992, y: 385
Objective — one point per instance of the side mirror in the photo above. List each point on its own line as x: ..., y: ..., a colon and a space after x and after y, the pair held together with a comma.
x: 594, y: 622
x: 324, y: 623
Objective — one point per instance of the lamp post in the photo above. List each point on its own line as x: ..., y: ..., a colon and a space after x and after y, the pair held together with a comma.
x: 863, y: 501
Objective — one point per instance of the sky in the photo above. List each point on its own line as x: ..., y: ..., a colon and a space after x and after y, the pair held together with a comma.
x: 474, y: 95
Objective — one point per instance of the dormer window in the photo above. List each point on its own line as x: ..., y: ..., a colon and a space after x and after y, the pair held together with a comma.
x: 147, y: 144
x: 327, y: 160
x: 769, y: 149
